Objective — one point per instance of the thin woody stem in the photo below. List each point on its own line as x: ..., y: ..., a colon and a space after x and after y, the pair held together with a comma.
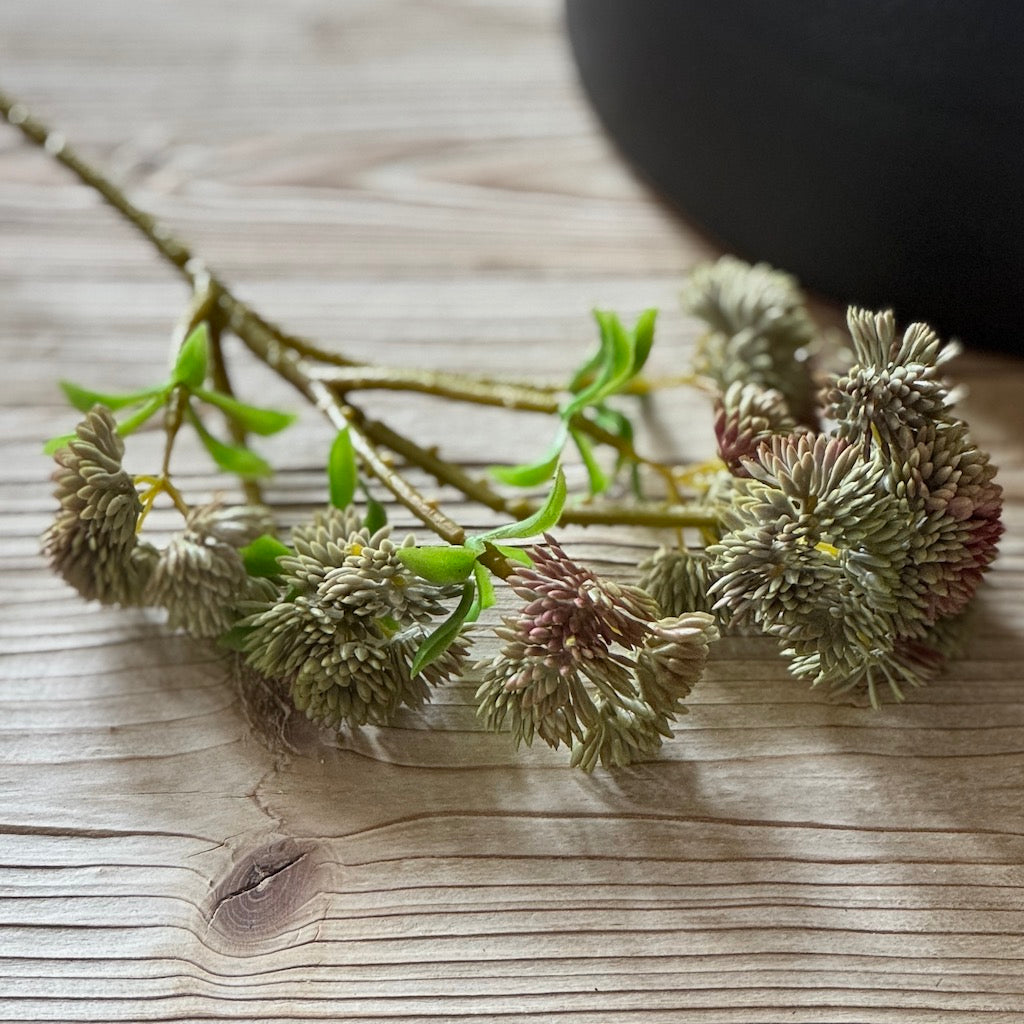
x: 463, y: 388
x: 170, y: 248
x: 676, y: 515
x: 453, y: 386
x: 284, y: 353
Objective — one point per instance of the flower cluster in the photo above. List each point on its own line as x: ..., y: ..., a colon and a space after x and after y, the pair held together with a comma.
x: 345, y: 624
x: 852, y: 520
x: 338, y: 628
x: 200, y: 577
x: 590, y: 664
x: 92, y: 543
x: 759, y: 331
x: 858, y: 548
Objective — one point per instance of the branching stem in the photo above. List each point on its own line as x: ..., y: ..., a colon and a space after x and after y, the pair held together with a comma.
x: 291, y: 357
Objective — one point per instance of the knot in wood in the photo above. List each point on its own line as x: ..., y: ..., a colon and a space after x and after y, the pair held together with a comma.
x: 260, y: 895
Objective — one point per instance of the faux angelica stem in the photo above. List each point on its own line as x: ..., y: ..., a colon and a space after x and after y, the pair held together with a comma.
x: 464, y: 388
x: 286, y: 354
x: 170, y: 248
x: 671, y: 516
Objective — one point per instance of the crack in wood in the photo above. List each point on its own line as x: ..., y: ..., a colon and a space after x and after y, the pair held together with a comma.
x: 259, y: 896
x: 260, y: 875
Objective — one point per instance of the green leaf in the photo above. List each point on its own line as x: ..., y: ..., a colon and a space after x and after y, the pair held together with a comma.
x: 376, y: 514
x: 617, y: 346
x: 614, y: 422
x: 441, y: 639
x: 484, y: 587
x: 132, y: 423
x: 643, y: 339
x: 438, y: 564
x: 595, y: 474
x: 231, y: 458
x: 531, y: 474
x: 193, y: 356
x: 600, y: 366
x: 260, y: 557
x: 235, y: 459
x: 56, y: 443
x: 250, y: 417
x: 587, y: 371
x: 623, y: 346
x: 541, y: 520
x: 514, y: 554
x: 83, y: 399
x: 342, y: 472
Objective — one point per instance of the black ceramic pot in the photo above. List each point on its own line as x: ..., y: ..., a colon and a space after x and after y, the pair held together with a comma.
x: 874, y: 149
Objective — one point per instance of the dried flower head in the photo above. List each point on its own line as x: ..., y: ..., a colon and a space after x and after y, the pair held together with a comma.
x: 859, y: 551
x: 759, y: 331
x: 893, y: 390
x: 677, y: 579
x: 746, y: 416
x: 347, y: 624
x: 92, y: 543
x: 200, y: 578
x: 568, y: 669
x: 813, y: 555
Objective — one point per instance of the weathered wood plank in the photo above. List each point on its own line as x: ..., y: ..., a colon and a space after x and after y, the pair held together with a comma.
x: 422, y: 184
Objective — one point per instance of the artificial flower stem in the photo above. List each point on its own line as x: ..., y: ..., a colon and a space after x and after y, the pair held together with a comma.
x: 272, y: 345
x: 175, y: 252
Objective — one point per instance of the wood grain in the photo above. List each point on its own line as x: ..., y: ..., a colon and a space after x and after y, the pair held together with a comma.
x: 422, y: 183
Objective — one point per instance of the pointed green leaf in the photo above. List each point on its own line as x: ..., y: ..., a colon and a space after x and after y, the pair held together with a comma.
x: 484, y: 593
x: 342, y: 472
x: 622, y: 345
x: 531, y: 474
x: 514, y: 554
x: 541, y: 521
x: 376, y: 514
x: 132, y: 423
x: 249, y: 417
x: 596, y: 476
x: 56, y: 443
x: 602, y: 366
x: 260, y: 557
x: 83, y: 399
x: 438, y: 564
x: 643, y: 339
x: 231, y: 458
x: 441, y: 639
x: 587, y: 371
x: 616, y: 423
x: 193, y: 356
x: 484, y: 587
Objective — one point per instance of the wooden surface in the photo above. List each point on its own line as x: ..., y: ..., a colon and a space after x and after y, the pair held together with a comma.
x: 422, y: 183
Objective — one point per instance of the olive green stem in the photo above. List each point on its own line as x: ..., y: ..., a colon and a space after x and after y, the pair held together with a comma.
x: 287, y: 355
x: 675, y: 516
x: 452, y: 386
x: 174, y: 251
x: 464, y: 388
